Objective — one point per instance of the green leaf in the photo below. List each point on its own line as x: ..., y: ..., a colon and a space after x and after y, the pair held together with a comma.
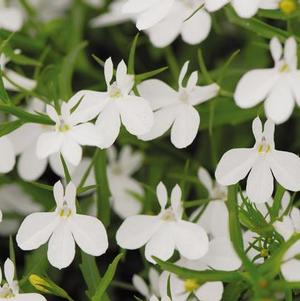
x: 7, y: 127
x: 3, y: 94
x: 66, y: 170
x: 143, y: 76
x: 107, y: 279
x: 103, y: 193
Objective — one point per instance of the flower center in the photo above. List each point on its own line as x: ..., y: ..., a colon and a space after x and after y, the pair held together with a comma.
x: 264, y: 147
x: 219, y: 193
x: 169, y: 215
x: 63, y: 126
x: 114, y: 91
x: 184, y: 96
x: 116, y: 170
x: 190, y: 285
x: 284, y: 68
x: 6, y: 292
x: 288, y: 6
x: 65, y: 211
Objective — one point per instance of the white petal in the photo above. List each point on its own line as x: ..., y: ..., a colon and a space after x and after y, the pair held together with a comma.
x: 210, y: 291
x: 257, y: 129
x: 205, y: 179
x: 61, y: 247
x: 245, y: 8
x: 254, y: 87
x: 285, y: 227
x: 136, y: 115
x: 197, y: 28
x: 71, y: 150
x: 9, y: 271
x: 136, y: 231
x: 276, y: 49
x: 162, y: 195
x: 58, y: 192
x: 30, y: 167
x: 201, y: 94
x: 235, y: 165
x: 108, y: 71
x: 176, y: 195
x: 124, y: 81
x: 36, y: 230
x: 29, y: 297
x: 90, y: 234
x: 191, y: 240
x: 260, y: 183
x: 219, y: 218
x: 221, y: 255
x: 137, y: 6
x: 153, y: 15
x: 19, y: 80
x: 57, y: 167
x: 185, y: 127
x: 11, y: 18
x: 183, y: 73
x: 108, y: 125
x: 280, y: 103
x: 286, y: 169
x: 161, y: 244
x: 294, y: 79
x: 291, y: 270
x: 140, y: 285
x: 70, y: 195
x: 163, y: 120
x: 7, y: 158
x: 290, y: 52
x: 86, y: 134
x: 48, y: 144
x: 51, y: 112
x: 214, y: 5
x: 129, y: 160
x: 158, y: 93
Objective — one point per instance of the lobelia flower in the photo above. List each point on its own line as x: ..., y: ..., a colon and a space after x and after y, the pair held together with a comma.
x: 193, y: 28
x: 184, y: 290
x: 8, y: 157
x: 10, y: 289
x: 14, y: 80
x: 117, y: 105
x: 165, y: 232
x: 148, y: 13
x: 278, y: 86
x: 175, y: 109
x: 244, y: 8
x: 290, y: 224
x: 24, y: 140
x: 145, y: 290
x: 14, y: 200
x: 11, y: 18
x: 263, y: 162
x: 71, y: 131
x: 63, y: 228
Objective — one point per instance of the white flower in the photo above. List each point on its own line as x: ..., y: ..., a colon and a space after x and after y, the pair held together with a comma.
x: 121, y: 183
x: 175, y: 109
x: 10, y: 289
x: 24, y: 141
x: 165, y: 232
x: 182, y: 290
x: 70, y: 132
x: 14, y: 200
x: 16, y: 80
x: 290, y: 267
x: 145, y: 290
x: 278, y: 86
x: 117, y: 105
x: 244, y: 8
x: 114, y: 15
x: 7, y: 158
x: 262, y: 161
x: 194, y: 28
x: 11, y: 18
x: 63, y: 228
x: 154, y: 298
x: 148, y: 13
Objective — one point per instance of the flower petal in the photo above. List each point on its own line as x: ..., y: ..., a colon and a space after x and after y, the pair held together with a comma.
x: 29, y: 297
x: 286, y: 169
x: 36, y: 229
x: 185, y: 127
x: 205, y: 179
x: 90, y: 234
x: 210, y: 291
x: 7, y: 158
x: 235, y: 165
x: 140, y: 285
x: 291, y: 270
x: 71, y: 150
x: 214, y: 5
x: 260, y: 183
x: 191, y: 240
x: 61, y: 247
x: 162, y: 195
x: 136, y: 231
x: 48, y: 144
x: 245, y: 8
x: 86, y: 134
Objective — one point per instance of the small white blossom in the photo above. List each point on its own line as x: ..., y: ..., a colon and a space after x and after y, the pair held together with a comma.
x: 14, y: 80
x: 10, y: 289
x: 117, y: 105
x: 11, y: 17
x: 145, y: 290
x: 244, y: 8
x: 71, y: 131
x: 8, y: 157
x: 278, y: 86
x: 262, y: 161
x: 165, y: 232
x: 183, y: 290
x: 63, y: 228
x: 175, y: 109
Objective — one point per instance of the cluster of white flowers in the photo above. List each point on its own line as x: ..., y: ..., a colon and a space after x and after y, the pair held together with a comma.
x: 148, y: 110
